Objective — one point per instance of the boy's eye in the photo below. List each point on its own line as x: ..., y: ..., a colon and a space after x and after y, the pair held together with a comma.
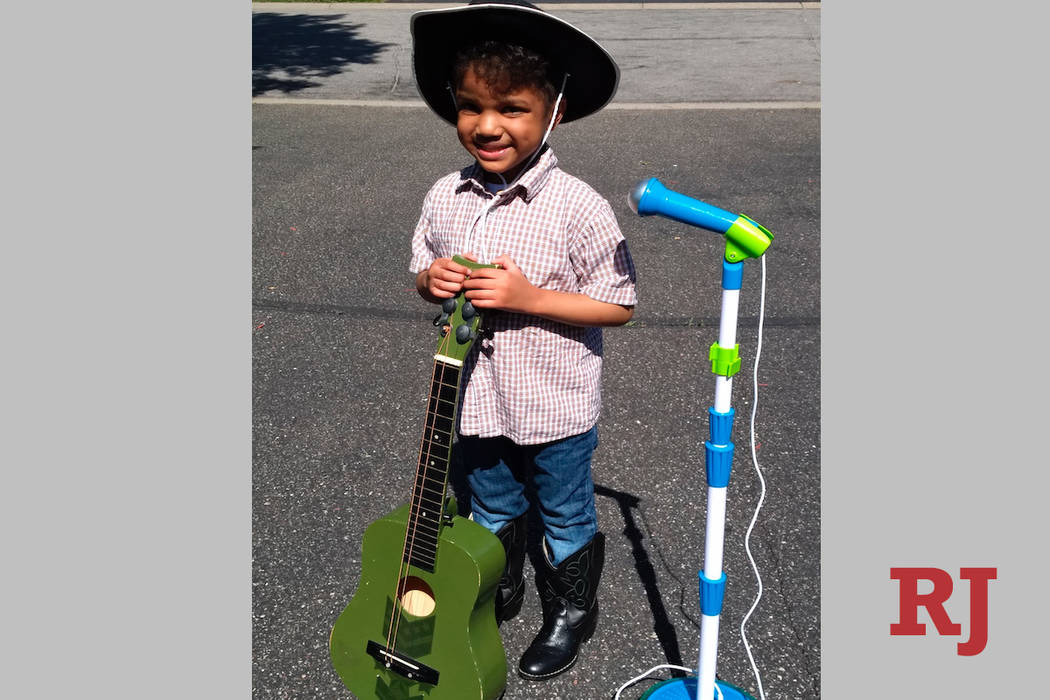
x: 514, y: 109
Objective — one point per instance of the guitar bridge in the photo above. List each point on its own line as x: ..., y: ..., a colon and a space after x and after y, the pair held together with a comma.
x: 402, y: 665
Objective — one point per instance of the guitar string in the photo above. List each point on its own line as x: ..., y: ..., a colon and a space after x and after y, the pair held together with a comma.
x: 421, y: 476
x: 406, y: 549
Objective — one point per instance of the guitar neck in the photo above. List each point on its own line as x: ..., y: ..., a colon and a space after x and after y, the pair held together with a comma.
x: 459, y: 323
x: 428, y: 492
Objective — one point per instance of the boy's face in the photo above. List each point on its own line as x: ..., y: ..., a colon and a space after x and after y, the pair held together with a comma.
x: 501, y: 130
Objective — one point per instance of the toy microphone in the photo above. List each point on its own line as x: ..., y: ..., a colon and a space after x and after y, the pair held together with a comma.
x: 744, y: 237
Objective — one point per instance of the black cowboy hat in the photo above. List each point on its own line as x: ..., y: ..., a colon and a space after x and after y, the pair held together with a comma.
x: 437, y: 34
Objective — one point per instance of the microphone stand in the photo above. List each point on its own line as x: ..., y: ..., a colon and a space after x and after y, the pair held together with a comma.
x: 744, y: 239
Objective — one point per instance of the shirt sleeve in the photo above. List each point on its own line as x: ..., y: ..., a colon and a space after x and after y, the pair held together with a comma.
x: 599, y: 254
x: 423, y: 250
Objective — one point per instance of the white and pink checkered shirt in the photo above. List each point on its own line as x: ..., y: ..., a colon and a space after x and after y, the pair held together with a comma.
x: 534, y: 380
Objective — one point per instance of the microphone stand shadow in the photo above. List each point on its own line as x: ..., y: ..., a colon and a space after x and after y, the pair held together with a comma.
x: 665, y: 631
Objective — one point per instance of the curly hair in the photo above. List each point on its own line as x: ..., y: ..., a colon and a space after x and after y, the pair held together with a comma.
x: 505, y: 68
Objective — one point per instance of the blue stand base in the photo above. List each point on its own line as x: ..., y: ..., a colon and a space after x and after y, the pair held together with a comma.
x: 685, y: 689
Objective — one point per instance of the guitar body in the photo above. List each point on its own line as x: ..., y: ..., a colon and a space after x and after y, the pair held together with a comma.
x: 458, y: 638
x: 422, y: 623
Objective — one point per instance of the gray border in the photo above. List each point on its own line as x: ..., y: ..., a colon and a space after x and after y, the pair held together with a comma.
x: 932, y: 289
x: 127, y: 377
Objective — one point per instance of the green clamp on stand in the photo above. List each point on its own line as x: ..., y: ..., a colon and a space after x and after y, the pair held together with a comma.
x: 746, y: 238
x: 725, y: 362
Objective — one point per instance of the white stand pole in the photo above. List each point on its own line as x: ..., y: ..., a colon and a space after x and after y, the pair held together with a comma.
x: 714, y: 541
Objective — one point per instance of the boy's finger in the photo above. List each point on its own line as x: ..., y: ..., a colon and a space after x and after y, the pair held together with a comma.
x: 486, y: 272
x: 506, y: 262
x: 479, y: 281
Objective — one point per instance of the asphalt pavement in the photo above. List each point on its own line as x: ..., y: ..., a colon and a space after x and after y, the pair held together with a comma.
x: 721, y: 102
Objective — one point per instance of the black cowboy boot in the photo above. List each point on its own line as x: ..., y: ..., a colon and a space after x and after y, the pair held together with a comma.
x: 569, y: 596
x: 511, y: 589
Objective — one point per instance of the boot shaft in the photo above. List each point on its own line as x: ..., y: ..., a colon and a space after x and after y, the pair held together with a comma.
x: 575, y: 579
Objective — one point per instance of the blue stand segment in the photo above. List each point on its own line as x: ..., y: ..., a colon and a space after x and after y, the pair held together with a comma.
x: 719, y: 463
x: 721, y: 425
x: 711, y: 594
x: 685, y: 689
x: 732, y: 275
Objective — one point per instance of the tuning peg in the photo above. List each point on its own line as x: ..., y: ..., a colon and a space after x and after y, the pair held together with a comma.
x: 440, y: 319
x: 468, y: 311
x: 463, y: 333
x: 449, y: 305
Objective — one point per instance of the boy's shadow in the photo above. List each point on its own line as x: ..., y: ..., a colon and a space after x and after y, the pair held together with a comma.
x: 628, y: 503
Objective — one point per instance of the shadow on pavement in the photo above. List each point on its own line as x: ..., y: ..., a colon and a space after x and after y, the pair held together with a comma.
x: 288, y: 51
x: 662, y: 626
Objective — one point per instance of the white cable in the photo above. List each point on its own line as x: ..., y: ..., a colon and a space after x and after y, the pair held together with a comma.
x: 481, y: 218
x: 646, y: 675
x: 762, y: 494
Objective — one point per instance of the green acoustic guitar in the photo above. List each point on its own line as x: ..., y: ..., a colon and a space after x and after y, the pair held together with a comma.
x: 422, y: 625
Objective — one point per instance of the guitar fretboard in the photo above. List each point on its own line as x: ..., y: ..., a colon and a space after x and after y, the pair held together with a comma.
x: 428, y: 492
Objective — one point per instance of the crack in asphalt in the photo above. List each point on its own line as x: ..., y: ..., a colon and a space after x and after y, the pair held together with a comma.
x: 374, y: 312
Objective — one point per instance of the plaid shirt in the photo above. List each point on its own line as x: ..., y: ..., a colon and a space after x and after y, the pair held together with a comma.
x: 534, y: 380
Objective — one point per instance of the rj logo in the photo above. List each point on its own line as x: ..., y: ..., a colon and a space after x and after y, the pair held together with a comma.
x: 911, y: 599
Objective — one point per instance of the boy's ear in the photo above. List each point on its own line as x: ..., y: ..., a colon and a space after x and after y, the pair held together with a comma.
x: 561, y: 113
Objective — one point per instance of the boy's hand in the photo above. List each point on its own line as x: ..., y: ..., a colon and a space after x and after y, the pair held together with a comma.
x: 444, y: 278
x: 504, y: 287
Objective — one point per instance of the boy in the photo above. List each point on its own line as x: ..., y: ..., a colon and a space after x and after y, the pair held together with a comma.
x: 505, y: 74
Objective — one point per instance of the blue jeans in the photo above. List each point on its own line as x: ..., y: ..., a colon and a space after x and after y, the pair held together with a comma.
x: 504, y: 477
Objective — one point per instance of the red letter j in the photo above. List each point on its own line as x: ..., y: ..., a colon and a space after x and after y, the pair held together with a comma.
x: 978, y: 610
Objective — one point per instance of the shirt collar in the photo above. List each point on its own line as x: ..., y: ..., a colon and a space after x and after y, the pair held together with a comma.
x: 530, y: 183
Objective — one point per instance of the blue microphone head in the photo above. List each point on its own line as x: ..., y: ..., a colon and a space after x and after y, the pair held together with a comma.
x: 637, y: 197
x: 651, y: 197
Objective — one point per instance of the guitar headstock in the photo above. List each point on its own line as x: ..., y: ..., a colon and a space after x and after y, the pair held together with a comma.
x: 459, y: 320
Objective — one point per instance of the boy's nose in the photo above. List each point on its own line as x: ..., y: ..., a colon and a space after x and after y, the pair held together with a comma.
x: 488, y: 124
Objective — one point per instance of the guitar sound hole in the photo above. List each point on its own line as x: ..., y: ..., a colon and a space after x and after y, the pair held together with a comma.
x: 417, y: 598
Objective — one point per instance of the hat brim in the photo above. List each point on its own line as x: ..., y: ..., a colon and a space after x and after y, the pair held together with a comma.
x: 438, y: 34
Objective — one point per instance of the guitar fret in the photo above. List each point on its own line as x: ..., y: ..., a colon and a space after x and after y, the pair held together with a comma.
x: 424, y: 535
x: 433, y: 464
x: 433, y: 483
x: 431, y: 475
x: 432, y: 461
x: 435, y: 448
x: 425, y: 564
x: 423, y: 490
x: 431, y: 520
x: 436, y: 440
x: 422, y: 505
x: 432, y: 500
x: 440, y: 426
x: 425, y: 548
x: 429, y: 553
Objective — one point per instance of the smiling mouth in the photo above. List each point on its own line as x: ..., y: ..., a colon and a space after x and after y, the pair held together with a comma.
x: 492, y: 153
